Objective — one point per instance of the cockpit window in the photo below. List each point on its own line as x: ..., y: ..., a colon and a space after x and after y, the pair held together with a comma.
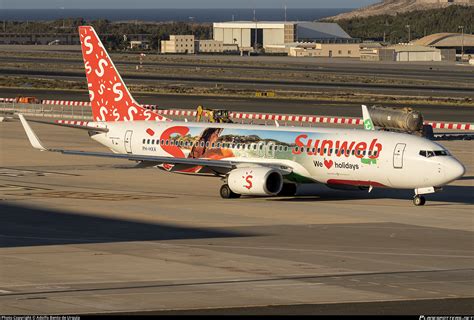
x: 437, y: 153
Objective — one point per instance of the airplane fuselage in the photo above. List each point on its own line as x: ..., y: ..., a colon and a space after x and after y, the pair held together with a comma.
x: 326, y: 155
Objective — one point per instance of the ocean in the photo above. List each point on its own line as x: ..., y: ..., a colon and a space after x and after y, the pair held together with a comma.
x: 163, y: 15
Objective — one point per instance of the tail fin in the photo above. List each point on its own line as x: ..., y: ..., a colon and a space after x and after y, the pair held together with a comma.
x: 110, y: 98
x: 368, y: 123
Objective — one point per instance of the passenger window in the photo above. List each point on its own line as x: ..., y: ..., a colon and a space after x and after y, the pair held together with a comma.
x: 144, y: 141
x: 148, y: 141
x: 207, y: 144
x: 202, y: 144
x: 172, y: 142
x: 296, y: 149
x: 286, y: 148
x: 270, y: 147
x: 152, y: 141
x: 162, y: 141
x: 213, y: 145
x: 167, y: 142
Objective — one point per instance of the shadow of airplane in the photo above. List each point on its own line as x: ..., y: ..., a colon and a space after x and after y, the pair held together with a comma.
x: 449, y: 194
x: 29, y: 226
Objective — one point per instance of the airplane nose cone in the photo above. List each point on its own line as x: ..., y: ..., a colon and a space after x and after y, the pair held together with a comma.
x: 454, y: 170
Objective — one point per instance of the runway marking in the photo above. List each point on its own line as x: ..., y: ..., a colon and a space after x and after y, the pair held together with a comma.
x: 11, y: 172
x: 93, y: 196
x: 330, y: 251
x: 5, y: 291
x: 14, y: 187
x: 289, y: 285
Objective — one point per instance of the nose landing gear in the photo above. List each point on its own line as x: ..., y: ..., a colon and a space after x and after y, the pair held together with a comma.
x: 419, y: 200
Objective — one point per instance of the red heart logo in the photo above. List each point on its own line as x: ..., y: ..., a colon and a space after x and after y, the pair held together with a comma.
x: 328, y: 163
x: 150, y: 132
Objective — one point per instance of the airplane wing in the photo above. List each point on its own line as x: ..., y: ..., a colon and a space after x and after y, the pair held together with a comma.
x: 215, y: 166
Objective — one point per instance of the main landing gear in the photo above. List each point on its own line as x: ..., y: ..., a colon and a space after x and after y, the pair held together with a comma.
x: 226, y: 193
x: 419, y: 200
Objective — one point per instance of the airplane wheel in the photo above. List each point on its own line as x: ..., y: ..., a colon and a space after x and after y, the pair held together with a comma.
x: 226, y: 193
x: 419, y: 200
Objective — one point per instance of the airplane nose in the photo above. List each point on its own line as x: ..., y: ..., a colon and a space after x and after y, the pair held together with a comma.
x: 454, y: 170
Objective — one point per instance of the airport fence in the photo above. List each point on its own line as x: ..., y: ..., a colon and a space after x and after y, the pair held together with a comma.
x: 47, y: 111
x: 80, y: 110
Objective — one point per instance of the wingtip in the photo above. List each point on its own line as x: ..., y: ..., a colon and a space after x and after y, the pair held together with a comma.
x: 32, y: 137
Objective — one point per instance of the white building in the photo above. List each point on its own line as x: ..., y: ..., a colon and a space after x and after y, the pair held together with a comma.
x: 209, y: 46
x: 248, y: 34
x: 409, y: 52
x: 178, y: 44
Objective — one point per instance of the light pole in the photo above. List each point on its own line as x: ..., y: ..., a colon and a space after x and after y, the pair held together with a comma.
x: 256, y: 30
x: 462, y: 42
x: 409, y: 32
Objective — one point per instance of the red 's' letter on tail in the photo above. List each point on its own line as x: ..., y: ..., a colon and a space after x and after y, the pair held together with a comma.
x: 110, y: 98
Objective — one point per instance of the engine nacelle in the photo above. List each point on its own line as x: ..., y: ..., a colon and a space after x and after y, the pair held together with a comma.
x: 256, y: 181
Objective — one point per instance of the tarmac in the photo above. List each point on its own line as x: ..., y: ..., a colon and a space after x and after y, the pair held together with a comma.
x: 82, y: 235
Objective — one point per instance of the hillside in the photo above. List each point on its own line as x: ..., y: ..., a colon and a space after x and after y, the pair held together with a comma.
x: 393, y: 7
x: 421, y: 24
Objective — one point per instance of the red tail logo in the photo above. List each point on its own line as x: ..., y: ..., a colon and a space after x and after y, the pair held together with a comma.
x: 110, y: 98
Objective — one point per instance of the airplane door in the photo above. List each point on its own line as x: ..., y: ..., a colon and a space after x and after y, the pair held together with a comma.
x: 128, y: 141
x: 270, y: 150
x: 398, y: 155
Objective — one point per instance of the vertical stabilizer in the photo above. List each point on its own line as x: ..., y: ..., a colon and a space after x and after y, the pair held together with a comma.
x: 110, y: 98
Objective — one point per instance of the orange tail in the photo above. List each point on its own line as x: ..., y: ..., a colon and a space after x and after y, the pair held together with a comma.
x: 110, y: 98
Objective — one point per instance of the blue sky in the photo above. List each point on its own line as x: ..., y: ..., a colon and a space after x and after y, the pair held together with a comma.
x: 140, y: 4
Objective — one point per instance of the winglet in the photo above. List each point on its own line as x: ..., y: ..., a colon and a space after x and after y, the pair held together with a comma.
x: 35, y: 142
x: 368, y: 124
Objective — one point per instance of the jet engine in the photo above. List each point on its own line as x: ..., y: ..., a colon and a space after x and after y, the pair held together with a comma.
x: 256, y: 181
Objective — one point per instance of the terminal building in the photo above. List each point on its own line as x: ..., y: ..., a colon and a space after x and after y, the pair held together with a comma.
x: 250, y: 34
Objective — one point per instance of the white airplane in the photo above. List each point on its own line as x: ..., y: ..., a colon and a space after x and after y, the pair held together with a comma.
x: 253, y: 160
